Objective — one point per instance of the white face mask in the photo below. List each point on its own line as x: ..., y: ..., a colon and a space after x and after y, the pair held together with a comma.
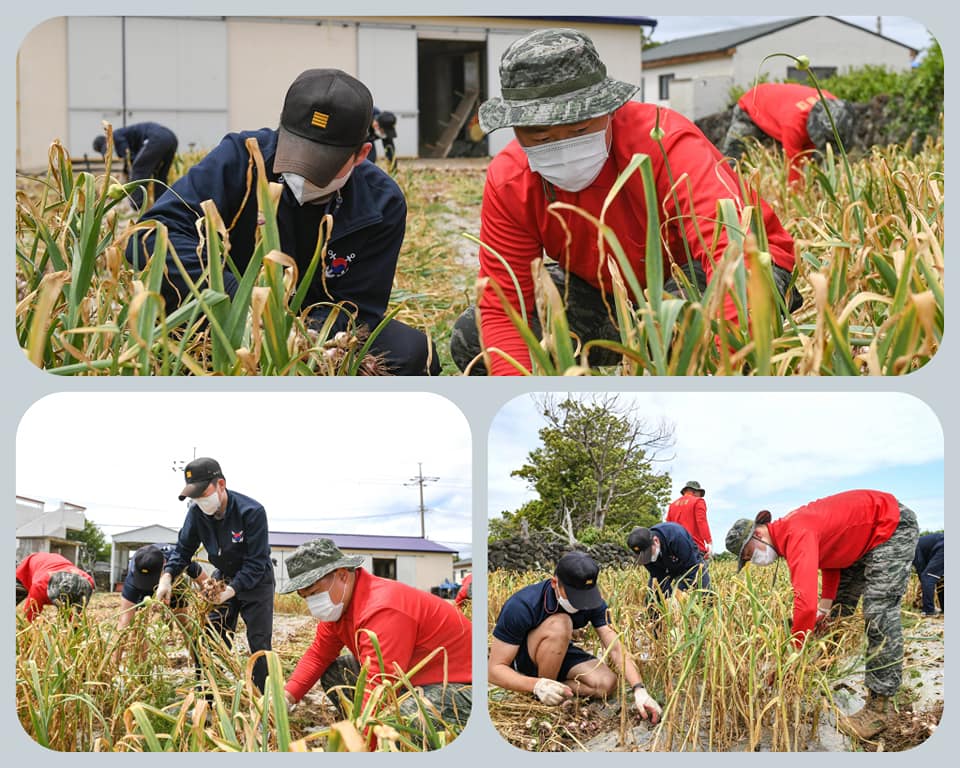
x: 656, y: 551
x: 570, y: 164
x: 307, y: 193
x: 209, y: 505
x: 764, y: 556
x: 323, y: 607
x: 566, y: 604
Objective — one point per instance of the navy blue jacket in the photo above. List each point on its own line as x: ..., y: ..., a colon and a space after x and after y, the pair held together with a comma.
x: 928, y: 562
x: 529, y: 607
x: 369, y: 215
x: 238, y: 545
x: 678, y: 561
x: 134, y: 595
x: 131, y: 138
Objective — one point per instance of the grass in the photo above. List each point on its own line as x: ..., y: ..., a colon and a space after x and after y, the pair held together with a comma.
x: 71, y: 696
x: 722, y: 667
x: 869, y: 235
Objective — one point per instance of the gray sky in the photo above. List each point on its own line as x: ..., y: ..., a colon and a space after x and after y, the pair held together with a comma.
x: 754, y: 451
x: 900, y: 28
x: 318, y: 462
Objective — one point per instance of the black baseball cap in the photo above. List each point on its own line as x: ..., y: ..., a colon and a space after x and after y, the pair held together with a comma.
x: 147, y: 567
x: 326, y: 117
x: 578, y: 572
x: 640, y: 542
x: 198, y: 474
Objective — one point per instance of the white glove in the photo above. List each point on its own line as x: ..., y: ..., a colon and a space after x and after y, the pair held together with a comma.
x: 550, y: 692
x: 646, y: 705
x: 709, y: 553
x: 165, y: 588
x: 291, y: 702
x: 224, y: 596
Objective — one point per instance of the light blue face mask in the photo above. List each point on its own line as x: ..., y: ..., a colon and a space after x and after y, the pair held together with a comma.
x: 570, y: 164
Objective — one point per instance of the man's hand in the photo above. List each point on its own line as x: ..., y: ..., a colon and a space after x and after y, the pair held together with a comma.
x: 225, y: 595
x: 646, y: 705
x: 551, y: 692
x: 165, y: 588
x: 291, y: 702
x: 709, y: 551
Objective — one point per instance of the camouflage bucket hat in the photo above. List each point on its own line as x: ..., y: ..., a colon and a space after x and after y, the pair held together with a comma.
x: 313, y: 560
x: 818, y: 123
x: 67, y: 587
x: 741, y: 532
x: 552, y: 77
x: 693, y: 485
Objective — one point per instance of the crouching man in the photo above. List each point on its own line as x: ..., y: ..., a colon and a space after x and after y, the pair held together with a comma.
x: 532, y: 648
x: 409, y: 624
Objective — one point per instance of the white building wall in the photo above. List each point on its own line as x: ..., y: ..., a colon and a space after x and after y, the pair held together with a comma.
x: 41, y: 72
x: 716, y: 77
x: 264, y: 57
x: 826, y: 42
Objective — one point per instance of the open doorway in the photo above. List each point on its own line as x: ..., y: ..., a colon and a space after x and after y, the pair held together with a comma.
x: 385, y: 568
x: 451, y: 87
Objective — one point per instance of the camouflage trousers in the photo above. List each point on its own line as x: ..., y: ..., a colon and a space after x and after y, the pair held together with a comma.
x: 587, y: 315
x: 453, y: 700
x: 741, y: 127
x: 880, y: 577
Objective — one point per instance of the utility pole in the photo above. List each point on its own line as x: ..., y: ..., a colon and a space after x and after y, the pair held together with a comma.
x: 420, y: 480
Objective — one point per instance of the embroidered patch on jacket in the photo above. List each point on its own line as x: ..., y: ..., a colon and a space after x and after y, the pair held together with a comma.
x: 337, y: 266
x: 236, y: 537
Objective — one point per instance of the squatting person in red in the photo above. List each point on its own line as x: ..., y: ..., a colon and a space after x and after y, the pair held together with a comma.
x: 576, y: 131
x: 410, y: 625
x: 690, y: 511
x: 793, y: 115
x: 862, y: 543
x: 46, y: 578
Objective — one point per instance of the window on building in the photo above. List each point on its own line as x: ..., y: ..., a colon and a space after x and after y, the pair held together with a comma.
x: 665, y: 86
x: 800, y: 75
x: 385, y: 568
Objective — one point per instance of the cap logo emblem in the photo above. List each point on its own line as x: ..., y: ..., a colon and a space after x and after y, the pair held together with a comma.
x: 320, y: 119
x: 189, y: 474
x: 588, y: 582
x: 144, y: 570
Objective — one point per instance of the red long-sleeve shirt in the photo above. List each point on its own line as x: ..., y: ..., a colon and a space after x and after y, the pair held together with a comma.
x: 464, y: 592
x: 34, y: 573
x: 780, y: 110
x: 409, y: 624
x: 828, y: 535
x: 690, y: 511
x: 515, y: 222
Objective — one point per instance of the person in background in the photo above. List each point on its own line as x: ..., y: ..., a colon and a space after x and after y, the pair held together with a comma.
x: 791, y: 114
x: 143, y: 576
x: 232, y: 528
x: 410, y: 626
x: 576, y: 130
x: 671, y: 557
x: 465, y: 593
x: 46, y: 578
x: 857, y: 544
x: 928, y: 563
x: 147, y: 151
x: 532, y: 649
x: 690, y: 511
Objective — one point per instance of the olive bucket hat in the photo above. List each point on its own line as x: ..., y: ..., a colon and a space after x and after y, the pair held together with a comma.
x: 694, y: 486
x: 741, y: 532
x: 552, y: 77
x: 313, y: 560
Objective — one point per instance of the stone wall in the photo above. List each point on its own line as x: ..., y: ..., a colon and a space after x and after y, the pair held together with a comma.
x: 542, y: 551
x: 877, y: 123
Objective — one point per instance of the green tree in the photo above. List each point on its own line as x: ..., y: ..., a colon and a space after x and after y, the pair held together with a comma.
x: 594, y: 469
x: 94, y: 544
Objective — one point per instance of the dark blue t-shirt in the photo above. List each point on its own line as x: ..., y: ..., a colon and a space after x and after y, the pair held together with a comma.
x: 531, y: 606
x: 134, y: 595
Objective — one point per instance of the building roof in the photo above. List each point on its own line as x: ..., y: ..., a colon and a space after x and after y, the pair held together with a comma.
x: 150, y: 534
x: 720, y: 42
x: 360, y: 541
x: 627, y: 21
